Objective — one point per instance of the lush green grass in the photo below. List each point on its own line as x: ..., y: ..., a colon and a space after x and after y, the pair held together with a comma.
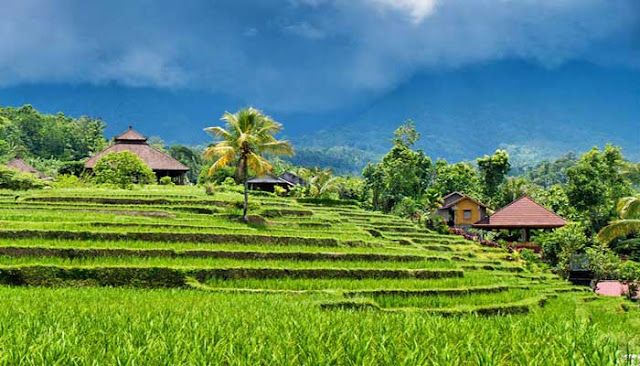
x: 265, y: 293
x: 119, y: 326
x: 218, y: 263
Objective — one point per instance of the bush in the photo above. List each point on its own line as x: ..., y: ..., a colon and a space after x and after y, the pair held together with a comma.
x: 71, y: 168
x: 166, y: 181
x: 219, y: 176
x: 209, y: 189
x: 559, y: 246
x: 602, y: 262
x: 15, y: 180
x: 279, y: 191
x: 123, y: 169
x: 69, y: 181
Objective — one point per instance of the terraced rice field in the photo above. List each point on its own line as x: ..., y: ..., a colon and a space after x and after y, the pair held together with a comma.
x: 170, y: 276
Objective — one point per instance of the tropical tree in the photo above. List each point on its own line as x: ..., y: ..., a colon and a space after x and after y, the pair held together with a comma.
x: 629, y: 223
x: 246, y: 136
x: 493, y: 171
x: 123, y: 168
x: 323, y: 184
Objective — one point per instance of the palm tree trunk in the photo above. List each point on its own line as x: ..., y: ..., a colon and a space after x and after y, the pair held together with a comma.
x: 245, y: 174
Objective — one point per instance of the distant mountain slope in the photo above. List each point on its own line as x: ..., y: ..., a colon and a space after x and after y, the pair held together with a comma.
x: 531, y: 111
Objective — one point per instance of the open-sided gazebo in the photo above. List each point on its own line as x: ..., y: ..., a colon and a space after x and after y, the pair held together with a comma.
x: 524, y: 214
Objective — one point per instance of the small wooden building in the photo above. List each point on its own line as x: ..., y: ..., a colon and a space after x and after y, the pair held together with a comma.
x: 23, y: 167
x: 293, y: 179
x: 522, y: 214
x: 268, y: 183
x: 460, y: 210
x: 161, y: 164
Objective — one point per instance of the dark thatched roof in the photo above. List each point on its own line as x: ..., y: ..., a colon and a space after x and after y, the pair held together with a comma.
x: 522, y: 213
x: 130, y: 136
x: 293, y: 179
x: 22, y: 166
x: 268, y: 179
x: 136, y: 143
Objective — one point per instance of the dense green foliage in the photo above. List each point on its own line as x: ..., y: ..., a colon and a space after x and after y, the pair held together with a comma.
x: 13, y: 179
x: 27, y: 132
x: 122, y: 168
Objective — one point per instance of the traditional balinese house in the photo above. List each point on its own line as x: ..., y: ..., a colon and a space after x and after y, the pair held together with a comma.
x: 460, y: 210
x: 161, y: 164
x: 268, y: 183
x: 522, y: 214
x: 22, y: 166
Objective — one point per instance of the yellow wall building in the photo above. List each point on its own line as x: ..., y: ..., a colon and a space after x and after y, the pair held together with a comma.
x: 460, y: 210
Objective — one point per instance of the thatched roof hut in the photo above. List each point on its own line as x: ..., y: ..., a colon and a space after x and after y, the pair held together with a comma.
x: 22, y: 166
x: 162, y: 164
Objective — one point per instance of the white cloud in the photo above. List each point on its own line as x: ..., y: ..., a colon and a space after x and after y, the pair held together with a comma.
x: 305, y: 30
x: 416, y: 9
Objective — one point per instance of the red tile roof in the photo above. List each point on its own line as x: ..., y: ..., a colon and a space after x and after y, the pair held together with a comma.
x: 522, y: 213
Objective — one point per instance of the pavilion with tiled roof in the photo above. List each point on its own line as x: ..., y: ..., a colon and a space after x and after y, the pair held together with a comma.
x: 524, y: 214
x: 161, y: 164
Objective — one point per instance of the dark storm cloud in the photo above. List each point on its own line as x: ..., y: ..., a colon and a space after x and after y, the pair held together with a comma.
x: 300, y: 54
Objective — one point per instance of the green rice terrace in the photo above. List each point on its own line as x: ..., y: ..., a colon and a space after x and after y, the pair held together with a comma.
x: 169, y: 275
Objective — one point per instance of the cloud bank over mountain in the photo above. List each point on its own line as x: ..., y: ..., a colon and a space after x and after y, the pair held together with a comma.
x: 301, y: 55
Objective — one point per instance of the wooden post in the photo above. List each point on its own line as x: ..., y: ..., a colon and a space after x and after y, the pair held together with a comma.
x: 525, y: 235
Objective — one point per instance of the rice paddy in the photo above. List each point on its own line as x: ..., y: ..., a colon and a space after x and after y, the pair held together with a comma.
x: 168, y: 275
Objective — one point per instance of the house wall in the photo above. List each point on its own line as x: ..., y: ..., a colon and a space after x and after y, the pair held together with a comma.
x: 467, y: 204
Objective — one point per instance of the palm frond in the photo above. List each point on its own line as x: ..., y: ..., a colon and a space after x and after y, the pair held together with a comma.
x: 281, y: 147
x: 218, y: 132
x: 219, y: 149
x: 629, y: 207
x: 258, y: 164
x: 617, y: 229
x: 224, y: 160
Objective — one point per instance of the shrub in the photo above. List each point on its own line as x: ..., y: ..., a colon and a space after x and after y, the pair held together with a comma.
x: 209, y: 189
x: 559, y: 246
x: 218, y: 176
x: 122, y: 168
x: 13, y: 179
x: 69, y: 181
x: 279, y: 191
x: 166, y: 181
x: 71, y: 168
x: 602, y: 262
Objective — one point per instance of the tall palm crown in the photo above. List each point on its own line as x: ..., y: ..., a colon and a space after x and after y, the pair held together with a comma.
x: 629, y: 223
x: 247, y: 135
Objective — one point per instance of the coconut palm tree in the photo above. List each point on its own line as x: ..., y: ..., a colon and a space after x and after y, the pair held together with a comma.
x: 322, y: 183
x: 629, y: 223
x: 246, y: 136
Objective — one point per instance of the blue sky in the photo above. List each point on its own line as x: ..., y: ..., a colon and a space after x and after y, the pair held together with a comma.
x: 294, y: 57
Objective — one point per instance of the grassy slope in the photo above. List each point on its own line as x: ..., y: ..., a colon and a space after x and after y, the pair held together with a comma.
x: 267, y: 311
